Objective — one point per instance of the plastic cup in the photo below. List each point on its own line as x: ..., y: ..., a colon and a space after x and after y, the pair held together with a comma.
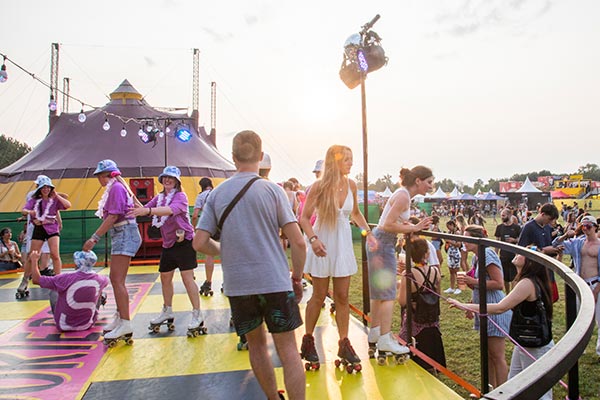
x: 460, y: 277
x: 180, y: 234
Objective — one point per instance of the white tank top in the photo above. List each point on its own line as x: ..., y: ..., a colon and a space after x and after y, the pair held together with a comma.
x: 386, y: 210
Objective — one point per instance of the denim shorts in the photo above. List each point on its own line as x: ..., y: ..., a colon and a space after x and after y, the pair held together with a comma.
x: 125, y: 240
x: 382, y: 266
x: 278, y: 310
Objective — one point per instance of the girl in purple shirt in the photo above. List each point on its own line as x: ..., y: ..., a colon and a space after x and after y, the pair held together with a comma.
x: 170, y: 213
x: 44, y: 207
x: 125, y: 242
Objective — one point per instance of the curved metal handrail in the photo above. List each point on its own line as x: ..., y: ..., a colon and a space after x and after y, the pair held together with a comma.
x: 545, y: 372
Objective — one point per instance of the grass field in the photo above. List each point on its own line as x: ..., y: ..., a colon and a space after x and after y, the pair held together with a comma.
x: 461, y: 342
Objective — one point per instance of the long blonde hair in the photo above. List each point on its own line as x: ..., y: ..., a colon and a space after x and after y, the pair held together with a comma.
x: 326, y: 192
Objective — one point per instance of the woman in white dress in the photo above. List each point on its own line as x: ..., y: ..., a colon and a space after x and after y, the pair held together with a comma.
x: 331, y: 253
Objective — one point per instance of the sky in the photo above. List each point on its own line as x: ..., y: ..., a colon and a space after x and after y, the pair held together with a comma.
x: 474, y: 89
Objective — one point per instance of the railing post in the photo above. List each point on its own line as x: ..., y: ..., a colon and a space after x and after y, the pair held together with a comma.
x: 571, y: 314
x: 483, y: 321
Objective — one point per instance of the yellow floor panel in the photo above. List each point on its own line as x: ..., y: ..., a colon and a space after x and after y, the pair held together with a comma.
x: 173, y: 356
x: 22, y: 309
x: 181, y: 302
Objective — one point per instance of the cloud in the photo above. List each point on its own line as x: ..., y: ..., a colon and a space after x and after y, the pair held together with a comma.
x: 472, y: 16
x: 251, y: 19
x: 149, y: 61
x: 217, y: 37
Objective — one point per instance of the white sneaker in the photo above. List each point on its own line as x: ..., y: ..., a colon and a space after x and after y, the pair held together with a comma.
x: 457, y: 291
x: 449, y: 290
x: 123, y: 329
x: 196, y: 320
x: 165, y: 314
x: 387, y: 343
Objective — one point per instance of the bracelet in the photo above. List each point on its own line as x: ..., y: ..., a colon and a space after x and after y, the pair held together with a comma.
x: 149, y: 210
x: 95, y: 237
x: 298, y: 280
x: 365, y: 232
x: 312, y: 239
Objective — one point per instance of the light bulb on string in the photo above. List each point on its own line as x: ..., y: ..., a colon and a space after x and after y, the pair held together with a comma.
x: 52, y: 104
x: 168, y: 130
x: 141, y: 131
x: 3, y: 73
x: 148, y: 128
x: 123, y: 132
x: 82, y: 117
x: 161, y: 134
x: 106, y: 125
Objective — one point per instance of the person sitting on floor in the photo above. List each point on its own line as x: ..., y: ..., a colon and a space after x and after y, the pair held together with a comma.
x: 74, y: 297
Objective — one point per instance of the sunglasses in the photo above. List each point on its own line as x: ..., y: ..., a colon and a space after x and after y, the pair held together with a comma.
x: 587, y: 225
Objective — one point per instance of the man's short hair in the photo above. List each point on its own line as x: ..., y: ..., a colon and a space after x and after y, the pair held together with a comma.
x: 247, y: 147
x: 550, y: 210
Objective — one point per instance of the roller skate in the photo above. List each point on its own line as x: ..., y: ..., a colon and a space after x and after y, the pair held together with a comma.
x: 388, y: 347
x: 206, y: 289
x: 196, y: 326
x: 114, y: 324
x: 22, y: 290
x: 347, y: 357
x: 373, y: 337
x: 47, y: 272
x: 308, y: 352
x: 165, y: 318
x: 243, y: 343
x: 122, y: 332
x: 103, y: 298
x: 332, y: 308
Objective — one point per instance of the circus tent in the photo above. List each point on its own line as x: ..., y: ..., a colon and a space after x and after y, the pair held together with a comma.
x: 71, y: 150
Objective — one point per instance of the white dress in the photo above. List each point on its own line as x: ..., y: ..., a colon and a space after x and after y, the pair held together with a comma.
x: 340, y: 260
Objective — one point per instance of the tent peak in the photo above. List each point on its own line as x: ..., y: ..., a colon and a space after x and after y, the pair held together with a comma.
x: 125, y: 91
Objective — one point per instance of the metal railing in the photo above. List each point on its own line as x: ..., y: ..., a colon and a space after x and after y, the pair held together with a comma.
x: 545, y: 372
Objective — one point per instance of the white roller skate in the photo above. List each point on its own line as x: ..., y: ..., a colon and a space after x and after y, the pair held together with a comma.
x: 122, y: 332
x: 196, y: 326
x: 166, y: 317
x: 387, y: 346
x: 113, y: 325
x: 22, y: 290
x: 372, y: 338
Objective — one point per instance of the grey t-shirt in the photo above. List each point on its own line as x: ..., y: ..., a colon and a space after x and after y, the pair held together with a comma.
x: 252, y: 258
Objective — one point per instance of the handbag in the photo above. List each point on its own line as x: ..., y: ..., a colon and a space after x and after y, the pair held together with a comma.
x: 531, y: 330
x: 217, y: 234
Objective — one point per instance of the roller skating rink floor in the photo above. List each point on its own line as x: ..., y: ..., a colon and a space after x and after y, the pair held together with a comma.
x: 38, y: 362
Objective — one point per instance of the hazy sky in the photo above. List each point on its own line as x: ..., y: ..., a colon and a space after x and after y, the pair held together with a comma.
x: 473, y: 89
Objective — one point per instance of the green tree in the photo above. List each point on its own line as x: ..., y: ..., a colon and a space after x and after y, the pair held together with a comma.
x: 11, y: 150
x: 590, y: 171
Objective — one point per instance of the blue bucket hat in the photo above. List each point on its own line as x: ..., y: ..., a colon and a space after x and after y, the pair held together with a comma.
x: 43, y: 180
x: 107, y: 166
x: 85, y: 260
x: 171, y: 171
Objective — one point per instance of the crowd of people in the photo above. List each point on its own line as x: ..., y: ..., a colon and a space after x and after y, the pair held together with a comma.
x: 250, y: 222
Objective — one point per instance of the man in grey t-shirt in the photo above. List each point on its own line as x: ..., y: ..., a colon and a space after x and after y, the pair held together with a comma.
x: 256, y: 275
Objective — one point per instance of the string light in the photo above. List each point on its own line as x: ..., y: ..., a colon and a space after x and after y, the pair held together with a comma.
x: 52, y: 105
x: 156, y: 127
x: 3, y: 73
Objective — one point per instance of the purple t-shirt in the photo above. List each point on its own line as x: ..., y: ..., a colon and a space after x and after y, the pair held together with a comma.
x: 78, y: 293
x: 51, y: 222
x: 179, y: 220
x: 117, y: 203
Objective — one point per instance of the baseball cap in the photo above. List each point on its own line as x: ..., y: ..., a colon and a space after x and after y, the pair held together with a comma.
x: 265, y: 163
x: 318, y: 166
x: 171, y: 171
x: 588, y: 219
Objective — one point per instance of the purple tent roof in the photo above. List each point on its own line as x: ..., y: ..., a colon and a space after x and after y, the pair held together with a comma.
x: 72, y: 149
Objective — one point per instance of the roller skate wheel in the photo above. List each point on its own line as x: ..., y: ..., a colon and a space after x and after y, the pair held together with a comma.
x: 349, y: 369
x: 129, y: 341
x: 240, y: 346
x: 317, y: 366
x: 156, y: 328
x: 402, y: 358
x: 111, y: 343
x: 307, y: 366
x: 337, y: 363
x: 381, y: 360
x: 357, y: 367
x: 171, y: 327
x: 211, y: 293
x: 203, y: 331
